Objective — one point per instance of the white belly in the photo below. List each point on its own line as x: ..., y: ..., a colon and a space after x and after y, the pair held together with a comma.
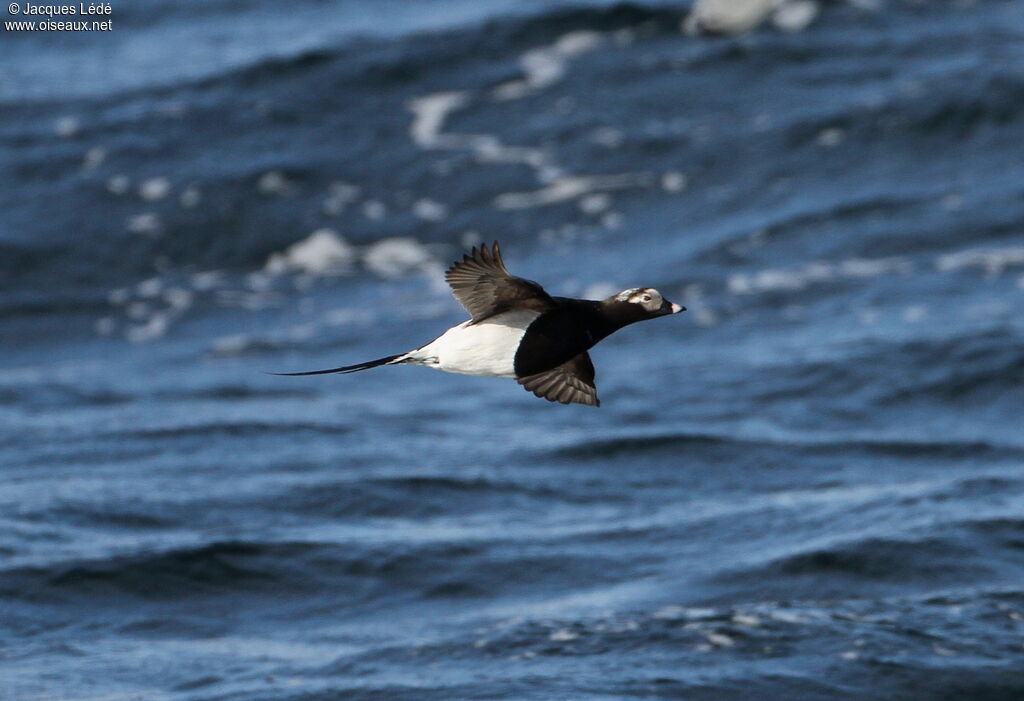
x: 488, y: 348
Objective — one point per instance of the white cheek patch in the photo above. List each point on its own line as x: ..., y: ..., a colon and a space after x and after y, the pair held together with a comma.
x: 635, y: 295
x: 654, y: 303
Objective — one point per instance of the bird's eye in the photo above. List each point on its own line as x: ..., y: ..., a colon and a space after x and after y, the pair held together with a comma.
x: 645, y: 298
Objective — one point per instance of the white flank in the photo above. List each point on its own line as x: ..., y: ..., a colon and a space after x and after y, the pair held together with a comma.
x: 488, y: 348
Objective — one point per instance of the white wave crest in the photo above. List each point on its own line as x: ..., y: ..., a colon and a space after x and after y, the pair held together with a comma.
x: 324, y: 252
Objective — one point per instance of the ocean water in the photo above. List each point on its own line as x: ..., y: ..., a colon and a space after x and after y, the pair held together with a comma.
x: 809, y: 486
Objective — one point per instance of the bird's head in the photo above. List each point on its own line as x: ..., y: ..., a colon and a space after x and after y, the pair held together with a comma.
x: 640, y: 303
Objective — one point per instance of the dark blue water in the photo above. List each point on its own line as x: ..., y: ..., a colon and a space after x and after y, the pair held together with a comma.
x: 810, y: 486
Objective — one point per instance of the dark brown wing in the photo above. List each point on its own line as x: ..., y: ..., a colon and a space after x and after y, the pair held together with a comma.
x: 572, y: 381
x: 482, y: 285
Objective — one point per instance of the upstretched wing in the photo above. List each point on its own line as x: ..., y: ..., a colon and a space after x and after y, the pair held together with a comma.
x: 570, y: 382
x: 482, y: 285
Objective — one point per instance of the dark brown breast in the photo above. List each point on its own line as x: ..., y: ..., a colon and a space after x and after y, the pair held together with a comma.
x: 572, y: 327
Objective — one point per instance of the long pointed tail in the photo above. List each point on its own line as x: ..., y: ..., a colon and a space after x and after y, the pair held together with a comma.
x: 347, y: 368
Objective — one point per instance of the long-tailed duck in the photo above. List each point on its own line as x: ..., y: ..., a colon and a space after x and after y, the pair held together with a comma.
x: 518, y: 330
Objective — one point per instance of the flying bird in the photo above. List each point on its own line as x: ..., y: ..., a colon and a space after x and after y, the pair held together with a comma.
x: 518, y: 330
